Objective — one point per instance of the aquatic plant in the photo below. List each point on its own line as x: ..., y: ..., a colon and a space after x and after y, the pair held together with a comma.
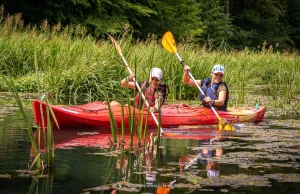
x: 48, y: 136
x: 68, y: 65
x: 10, y: 85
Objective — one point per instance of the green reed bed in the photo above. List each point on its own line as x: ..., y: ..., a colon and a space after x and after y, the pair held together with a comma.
x: 35, y: 142
x: 36, y: 148
x: 245, y: 69
x: 11, y: 86
x: 280, y: 74
x: 68, y: 63
x: 71, y: 63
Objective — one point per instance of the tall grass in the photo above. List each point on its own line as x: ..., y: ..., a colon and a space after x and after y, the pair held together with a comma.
x: 45, y: 186
x: 134, y: 125
x: 48, y: 141
x: 68, y: 64
x: 11, y: 86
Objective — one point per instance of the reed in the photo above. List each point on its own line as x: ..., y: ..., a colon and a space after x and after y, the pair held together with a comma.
x: 68, y: 64
x: 48, y: 135
x: 130, y: 118
x: 121, y: 164
x: 146, y: 127
x: 111, y: 162
x: 140, y: 122
x: 129, y: 167
x: 158, y: 128
x: 113, y: 124
x: 49, y: 143
x: 123, y: 118
x: 11, y: 86
x: 45, y: 186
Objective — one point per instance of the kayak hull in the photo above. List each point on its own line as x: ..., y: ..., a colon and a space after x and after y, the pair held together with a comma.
x: 96, y: 114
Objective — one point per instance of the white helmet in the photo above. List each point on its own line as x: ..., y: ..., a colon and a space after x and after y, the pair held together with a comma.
x: 218, y: 68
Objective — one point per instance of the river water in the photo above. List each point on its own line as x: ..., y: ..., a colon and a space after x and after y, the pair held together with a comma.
x: 259, y: 158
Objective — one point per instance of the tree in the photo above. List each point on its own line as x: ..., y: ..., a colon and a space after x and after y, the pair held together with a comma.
x: 239, y: 23
x: 293, y: 18
x: 259, y: 21
x: 217, y: 25
x: 181, y: 17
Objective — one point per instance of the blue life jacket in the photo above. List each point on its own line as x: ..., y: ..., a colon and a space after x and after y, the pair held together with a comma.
x: 211, y: 91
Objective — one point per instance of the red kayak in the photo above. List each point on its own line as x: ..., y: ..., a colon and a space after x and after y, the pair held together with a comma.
x: 96, y: 114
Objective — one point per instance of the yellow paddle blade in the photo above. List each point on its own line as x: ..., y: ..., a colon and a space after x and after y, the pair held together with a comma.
x: 118, y: 48
x: 225, y: 125
x: 168, y: 42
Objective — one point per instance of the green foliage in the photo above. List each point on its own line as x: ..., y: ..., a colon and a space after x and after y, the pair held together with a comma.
x: 187, y: 24
x: 3, y: 86
x: 71, y: 64
x: 248, y: 23
x: 217, y: 27
x: 293, y: 18
x: 26, y: 84
x: 10, y: 84
x: 260, y: 21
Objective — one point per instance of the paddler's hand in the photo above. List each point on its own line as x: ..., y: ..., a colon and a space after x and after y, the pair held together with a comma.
x: 153, y: 109
x: 209, y: 100
x: 186, y: 69
x: 130, y: 77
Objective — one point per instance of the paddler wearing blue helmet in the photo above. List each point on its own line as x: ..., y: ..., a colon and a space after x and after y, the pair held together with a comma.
x: 215, y: 90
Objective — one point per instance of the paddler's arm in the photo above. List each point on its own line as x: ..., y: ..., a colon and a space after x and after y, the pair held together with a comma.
x: 221, y: 100
x: 128, y: 82
x: 217, y: 102
x: 186, y: 78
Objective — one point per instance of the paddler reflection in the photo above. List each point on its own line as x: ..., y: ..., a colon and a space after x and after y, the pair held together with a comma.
x: 146, y: 162
x: 208, y: 156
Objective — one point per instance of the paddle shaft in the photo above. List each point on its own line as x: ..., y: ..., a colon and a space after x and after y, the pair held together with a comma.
x: 137, y: 85
x: 169, y: 44
x: 143, y: 96
x: 192, y: 77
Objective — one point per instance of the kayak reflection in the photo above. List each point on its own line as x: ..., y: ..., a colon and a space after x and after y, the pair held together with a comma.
x: 136, y: 168
x: 102, y: 138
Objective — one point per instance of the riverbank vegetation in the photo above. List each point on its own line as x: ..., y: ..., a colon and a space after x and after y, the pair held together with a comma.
x: 74, y: 64
x: 211, y: 22
x: 67, y: 62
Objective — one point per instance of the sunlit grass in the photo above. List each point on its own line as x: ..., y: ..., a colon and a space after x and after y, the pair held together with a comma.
x: 71, y: 63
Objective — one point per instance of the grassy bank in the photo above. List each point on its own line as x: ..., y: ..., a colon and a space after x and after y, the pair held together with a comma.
x: 71, y: 64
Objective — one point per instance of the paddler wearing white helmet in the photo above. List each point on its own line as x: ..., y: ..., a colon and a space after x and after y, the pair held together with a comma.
x: 153, y: 89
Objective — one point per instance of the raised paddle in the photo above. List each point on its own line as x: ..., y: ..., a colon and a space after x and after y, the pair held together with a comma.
x: 169, y: 44
x: 118, y: 48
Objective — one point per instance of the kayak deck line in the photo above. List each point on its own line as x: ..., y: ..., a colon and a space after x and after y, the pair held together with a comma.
x: 71, y: 111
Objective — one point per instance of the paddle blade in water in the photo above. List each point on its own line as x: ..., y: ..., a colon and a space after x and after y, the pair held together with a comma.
x: 168, y: 42
x: 225, y: 125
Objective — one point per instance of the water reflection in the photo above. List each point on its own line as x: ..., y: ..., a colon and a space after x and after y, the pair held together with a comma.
x: 258, y: 157
x: 138, y: 169
x: 1, y: 124
x: 207, y: 158
x: 212, y: 167
x: 142, y: 169
x: 41, y: 185
x: 262, y: 158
